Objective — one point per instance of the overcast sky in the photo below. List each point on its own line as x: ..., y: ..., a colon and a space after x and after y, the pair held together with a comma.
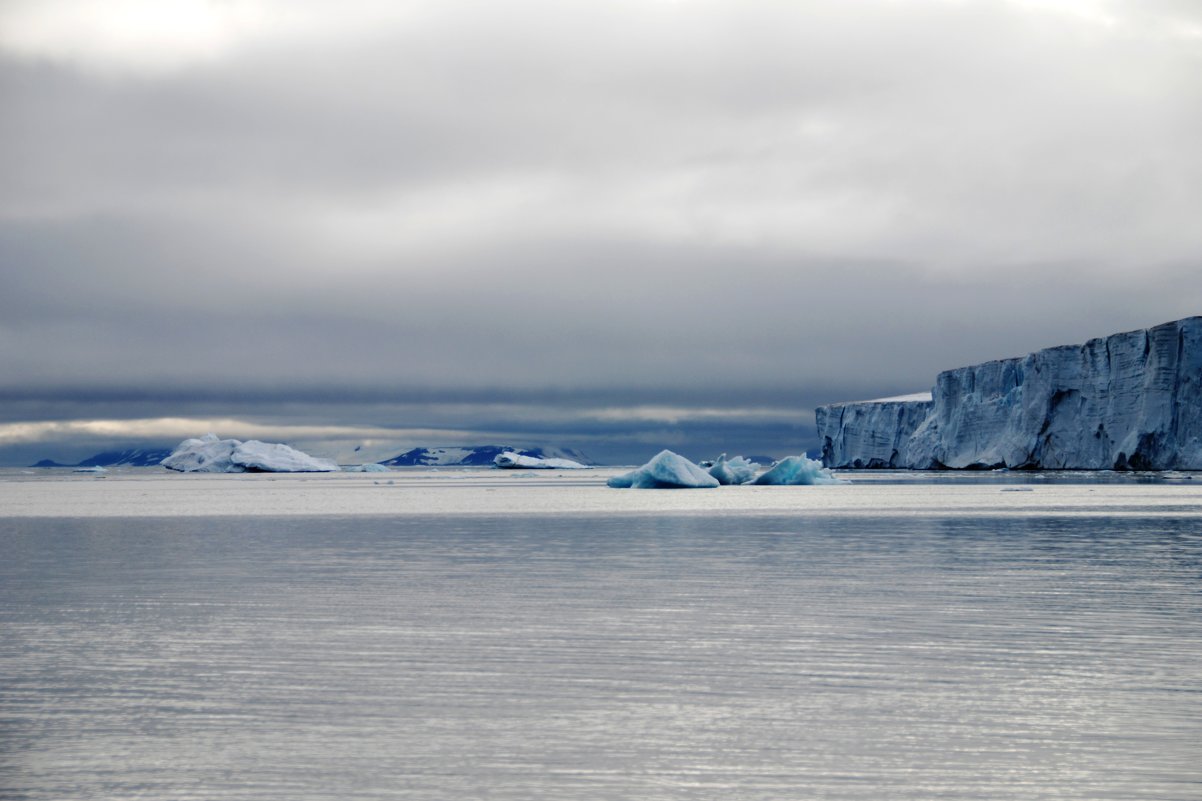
x: 614, y: 226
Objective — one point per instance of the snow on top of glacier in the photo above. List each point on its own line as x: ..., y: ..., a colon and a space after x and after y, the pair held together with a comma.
x: 914, y: 397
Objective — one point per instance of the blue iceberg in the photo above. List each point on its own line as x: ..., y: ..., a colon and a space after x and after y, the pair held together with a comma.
x: 798, y: 470
x: 738, y: 470
x: 666, y: 470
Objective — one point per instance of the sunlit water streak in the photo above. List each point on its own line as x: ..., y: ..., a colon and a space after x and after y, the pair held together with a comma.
x: 564, y: 657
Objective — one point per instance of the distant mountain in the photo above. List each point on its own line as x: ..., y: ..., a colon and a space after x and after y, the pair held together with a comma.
x: 475, y: 456
x: 133, y: 457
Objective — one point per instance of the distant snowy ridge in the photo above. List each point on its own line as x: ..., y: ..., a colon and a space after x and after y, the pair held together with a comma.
x: 209, y: 454
x: 133, y: 457
x: 1129, y: 401
x: 476, y: 456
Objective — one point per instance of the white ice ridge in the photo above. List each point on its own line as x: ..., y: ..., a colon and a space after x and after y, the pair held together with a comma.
x: 666, y: 470
x: 209, y: 454
x: 509, y: 459
x: 1129, y: 401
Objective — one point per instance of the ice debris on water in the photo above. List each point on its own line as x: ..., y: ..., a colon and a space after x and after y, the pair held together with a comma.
x: 796, y: 471
x: 510, y: 460
x: 738, y: 470
x: 369, y: 467
x: 209, y: 454
x: 669, y: 471
x: 666, y: 470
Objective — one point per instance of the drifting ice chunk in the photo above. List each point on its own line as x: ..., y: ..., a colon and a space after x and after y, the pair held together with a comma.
x: 369, y: 467
x: 733, y: 471
x: 666, y: 470
x: 511, y: 460
x: 212, y: 455
x: 797, y: 470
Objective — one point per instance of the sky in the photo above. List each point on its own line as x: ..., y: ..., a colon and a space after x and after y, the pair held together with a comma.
x: 610, y: 226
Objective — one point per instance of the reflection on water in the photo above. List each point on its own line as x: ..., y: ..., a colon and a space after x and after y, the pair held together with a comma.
x: 635, y: 657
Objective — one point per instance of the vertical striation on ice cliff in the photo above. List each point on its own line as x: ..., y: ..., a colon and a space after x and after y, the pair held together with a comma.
x: 1130, y: 401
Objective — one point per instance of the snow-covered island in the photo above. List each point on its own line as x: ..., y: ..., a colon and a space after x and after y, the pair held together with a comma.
x: 209, y: 454
x: 1129, y: 401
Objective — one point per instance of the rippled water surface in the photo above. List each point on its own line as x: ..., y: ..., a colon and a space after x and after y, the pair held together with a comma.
x: 601, y: 657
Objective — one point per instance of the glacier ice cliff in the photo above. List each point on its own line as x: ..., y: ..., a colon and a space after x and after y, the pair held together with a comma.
x: 1129, y: 401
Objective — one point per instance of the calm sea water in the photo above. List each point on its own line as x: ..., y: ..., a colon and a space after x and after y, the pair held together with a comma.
x: 602, y: 657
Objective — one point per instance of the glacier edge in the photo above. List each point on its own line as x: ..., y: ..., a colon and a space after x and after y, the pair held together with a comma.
x: 1128, y: 401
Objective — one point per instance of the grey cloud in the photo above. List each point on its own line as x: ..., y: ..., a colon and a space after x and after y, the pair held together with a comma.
x: 686, y: 318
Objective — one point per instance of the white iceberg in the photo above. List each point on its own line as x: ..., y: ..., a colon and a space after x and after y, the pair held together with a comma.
x: 798, y: 470
x: 209, y: 454
x: 368, y: 467
x: 510, y: 460
x: 264, y: 457
x: 666, y: 470
x: 738, y: 470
